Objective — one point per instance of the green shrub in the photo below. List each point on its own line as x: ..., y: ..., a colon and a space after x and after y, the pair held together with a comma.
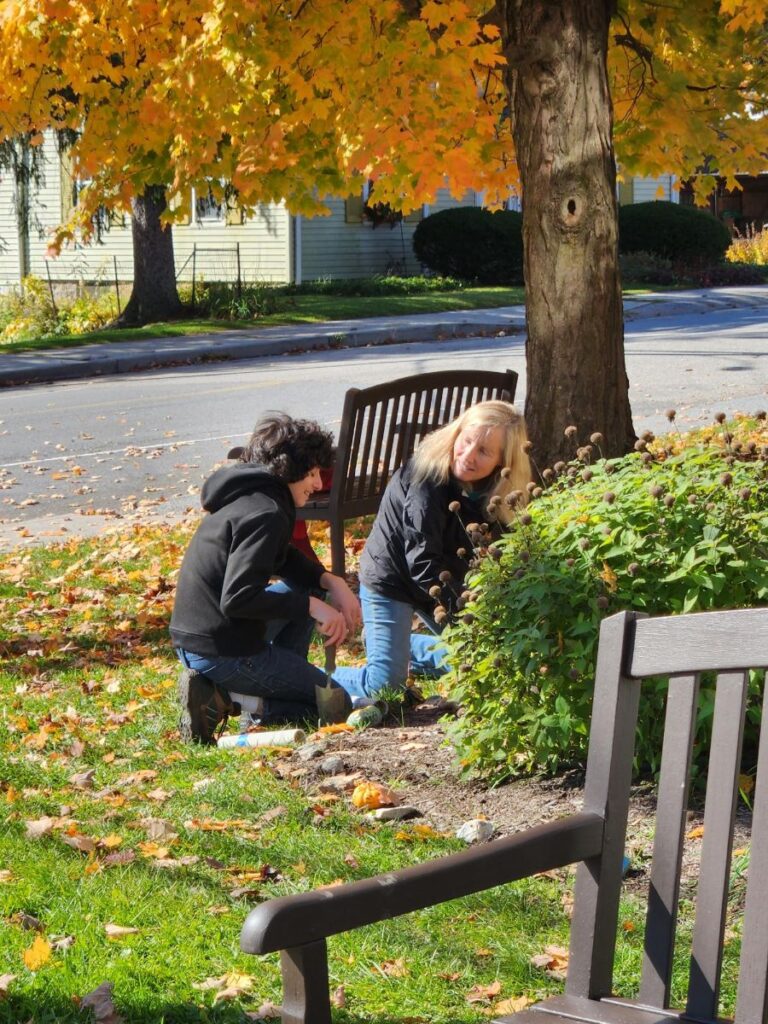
x: 222, y: 300
x: 29, y: 312
x: 664, y: 532
x: 646, y: 268
x: 682, y: 234
x: 472, y: 244
x: 376, y: 285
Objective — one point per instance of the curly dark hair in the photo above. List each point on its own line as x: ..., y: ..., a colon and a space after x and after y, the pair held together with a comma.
x: 287, y: 447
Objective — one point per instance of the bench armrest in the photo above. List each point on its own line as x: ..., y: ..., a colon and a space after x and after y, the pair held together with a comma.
x: 291, y: 921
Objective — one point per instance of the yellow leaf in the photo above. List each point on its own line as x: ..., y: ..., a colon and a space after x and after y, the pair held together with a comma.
x: 371, y: 795
x: 695, y: 833
x: 39, y: 953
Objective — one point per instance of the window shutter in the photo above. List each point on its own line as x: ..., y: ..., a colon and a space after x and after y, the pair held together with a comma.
x: 353, y: 209
x: 67, y: 186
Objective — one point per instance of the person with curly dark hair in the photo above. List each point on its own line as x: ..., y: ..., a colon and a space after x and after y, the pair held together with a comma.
x: 242, y: 638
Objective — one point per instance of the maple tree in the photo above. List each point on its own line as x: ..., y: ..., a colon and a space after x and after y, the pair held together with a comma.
x: 296, y: 101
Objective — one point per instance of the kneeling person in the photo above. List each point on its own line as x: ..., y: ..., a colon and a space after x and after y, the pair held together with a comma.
x: 242, y: 638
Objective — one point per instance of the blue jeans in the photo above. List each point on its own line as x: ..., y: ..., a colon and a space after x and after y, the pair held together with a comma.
x: 390, y: 649
x: 279, y: 673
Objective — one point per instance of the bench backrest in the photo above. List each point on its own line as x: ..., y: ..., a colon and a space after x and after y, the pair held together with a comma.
x: 381, y: 426
x: 633, y: 648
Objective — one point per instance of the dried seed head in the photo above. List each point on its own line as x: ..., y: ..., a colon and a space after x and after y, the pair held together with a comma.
x: 574, y: 674
x: 435, y: 591
x: 751, y: 447
x: 726, y: 479
x: 606, y: 530
x: 530, y: 486
x: 587, y: 475
x: 729, y: 460
x: 524, y: 556
x: 455, y: 506
x: 498, y: 662
x: 506, y: 473
x: 461, y: 603
x: 647, y: 457
x: 719, y: 417
x: 468, y: 618
x: 633, y: 568
x: 670, y: 414
x: 596, y: 438
x: 537, y: 492
x: 461, y: 552
x: 669, y: 500
x: 736, y: 446
x: 639, y: 445
x: 710, y: 506
x: 559, y: 466
x: 465, y: 667
x: 761, y: 414
x: 495, y: 501
x: 445, y: 576
x: 473, y: 527
x: 745, y: 493
x: 440, y: 615
x: 548, y: 474
x: 519, y: 573
x: 526, y: 519
x: 657, y: 490
x: 609, y: 468
x: 571, y: 471
x: 467, y: 595
x: 584, y: 543
x: 570, y: 562
x: 727, y: 437
x: 692, y: 499
x: 647, y: 436
x: 495, y: 553
x: 570, y: 431
x: 602, y: 601
x: 528, y: 447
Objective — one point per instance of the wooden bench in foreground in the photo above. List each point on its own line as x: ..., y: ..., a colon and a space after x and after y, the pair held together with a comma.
x: 632, y: 648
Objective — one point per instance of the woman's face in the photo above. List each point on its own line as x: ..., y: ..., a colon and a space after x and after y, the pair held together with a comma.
x: 302, y: 490
x: 477, y: 452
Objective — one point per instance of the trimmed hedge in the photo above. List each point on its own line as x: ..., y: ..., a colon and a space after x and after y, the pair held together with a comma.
x: 472, y: 244
x: 682, y: 234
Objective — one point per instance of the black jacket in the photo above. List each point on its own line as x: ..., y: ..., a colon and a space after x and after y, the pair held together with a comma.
x: 415, y: 537
x: 222, y: 605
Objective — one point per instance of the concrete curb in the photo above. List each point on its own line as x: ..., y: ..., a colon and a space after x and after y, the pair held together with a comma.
x: 127, y: 357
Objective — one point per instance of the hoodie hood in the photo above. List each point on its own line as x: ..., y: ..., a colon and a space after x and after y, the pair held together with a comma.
x: 232, y: 482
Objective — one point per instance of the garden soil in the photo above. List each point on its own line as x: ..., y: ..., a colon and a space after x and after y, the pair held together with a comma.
x: 411, y: 756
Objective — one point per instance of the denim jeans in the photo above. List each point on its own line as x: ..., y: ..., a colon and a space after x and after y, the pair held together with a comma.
x: 279, y: 673
x: 391, y: 649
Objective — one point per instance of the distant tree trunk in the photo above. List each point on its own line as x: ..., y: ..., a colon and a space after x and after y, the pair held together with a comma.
x: 154, y: 295
x: 563, y: 131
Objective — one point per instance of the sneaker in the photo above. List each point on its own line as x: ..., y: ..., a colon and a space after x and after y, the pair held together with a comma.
x: 204, y: 706
x: 251, y: 719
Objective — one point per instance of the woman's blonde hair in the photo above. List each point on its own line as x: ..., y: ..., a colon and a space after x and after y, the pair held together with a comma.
x: 433, y: 458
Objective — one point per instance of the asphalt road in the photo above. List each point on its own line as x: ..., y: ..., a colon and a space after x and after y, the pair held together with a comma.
x: 76, y: 456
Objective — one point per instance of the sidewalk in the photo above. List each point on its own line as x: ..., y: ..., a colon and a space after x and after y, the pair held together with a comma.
x: 128, y: 356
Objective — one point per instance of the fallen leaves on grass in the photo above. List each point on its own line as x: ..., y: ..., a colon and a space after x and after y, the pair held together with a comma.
x: 339, y: 997
x: 38, y: 954
x: 5, y: 983
x: 267, y: 1011
x: 100, y: 1003
x: 393, y: 968
x: 695, y: 833
x: 483, y: 993
x: 227, y: 987
x: 119, y: 931
x: 553, y: 961
x: 514, y: 1005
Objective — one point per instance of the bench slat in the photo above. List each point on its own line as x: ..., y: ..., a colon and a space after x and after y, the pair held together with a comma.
x: 681, y: 644
x: 752, y: 994
x: 719, y: 813
x: 672, y: 802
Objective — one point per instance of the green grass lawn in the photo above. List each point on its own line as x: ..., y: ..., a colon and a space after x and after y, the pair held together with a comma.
x: 179, y: 843
x: 294, y: 309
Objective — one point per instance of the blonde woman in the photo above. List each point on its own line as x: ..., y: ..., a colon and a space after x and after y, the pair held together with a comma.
x: 419, y: 541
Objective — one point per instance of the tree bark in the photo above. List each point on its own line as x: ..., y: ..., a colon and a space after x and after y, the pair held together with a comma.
x: 154, y: 295
x: 563, y: 132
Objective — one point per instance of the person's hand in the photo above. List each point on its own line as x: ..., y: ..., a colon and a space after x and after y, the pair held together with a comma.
x: 342, y: 598
x: 330, y: 622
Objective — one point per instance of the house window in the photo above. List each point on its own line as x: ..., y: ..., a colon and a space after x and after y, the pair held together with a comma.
x: 70, y: 189
x: 207, y: 207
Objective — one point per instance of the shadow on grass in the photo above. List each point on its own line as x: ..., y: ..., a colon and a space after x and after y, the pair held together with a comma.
x: 46, y: 1008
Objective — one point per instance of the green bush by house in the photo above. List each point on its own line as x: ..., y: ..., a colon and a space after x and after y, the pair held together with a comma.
x: 658, y: 531
x: 472, y: 244
x: 682, y: 234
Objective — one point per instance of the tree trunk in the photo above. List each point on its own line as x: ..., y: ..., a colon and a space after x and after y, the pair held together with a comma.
x: 563, y: 131
x: 154, y: 295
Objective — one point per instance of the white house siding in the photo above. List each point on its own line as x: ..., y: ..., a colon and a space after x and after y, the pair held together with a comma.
x: 9, y: 240
x: 263, y: 241
x: 333, y: 247
x: 646, y: 190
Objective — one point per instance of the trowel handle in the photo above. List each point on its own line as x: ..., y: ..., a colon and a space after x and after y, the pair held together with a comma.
x: 330, y: 660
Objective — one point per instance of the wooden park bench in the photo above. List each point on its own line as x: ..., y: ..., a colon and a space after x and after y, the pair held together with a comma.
x: 381, y: 426
x: 632, y: 648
